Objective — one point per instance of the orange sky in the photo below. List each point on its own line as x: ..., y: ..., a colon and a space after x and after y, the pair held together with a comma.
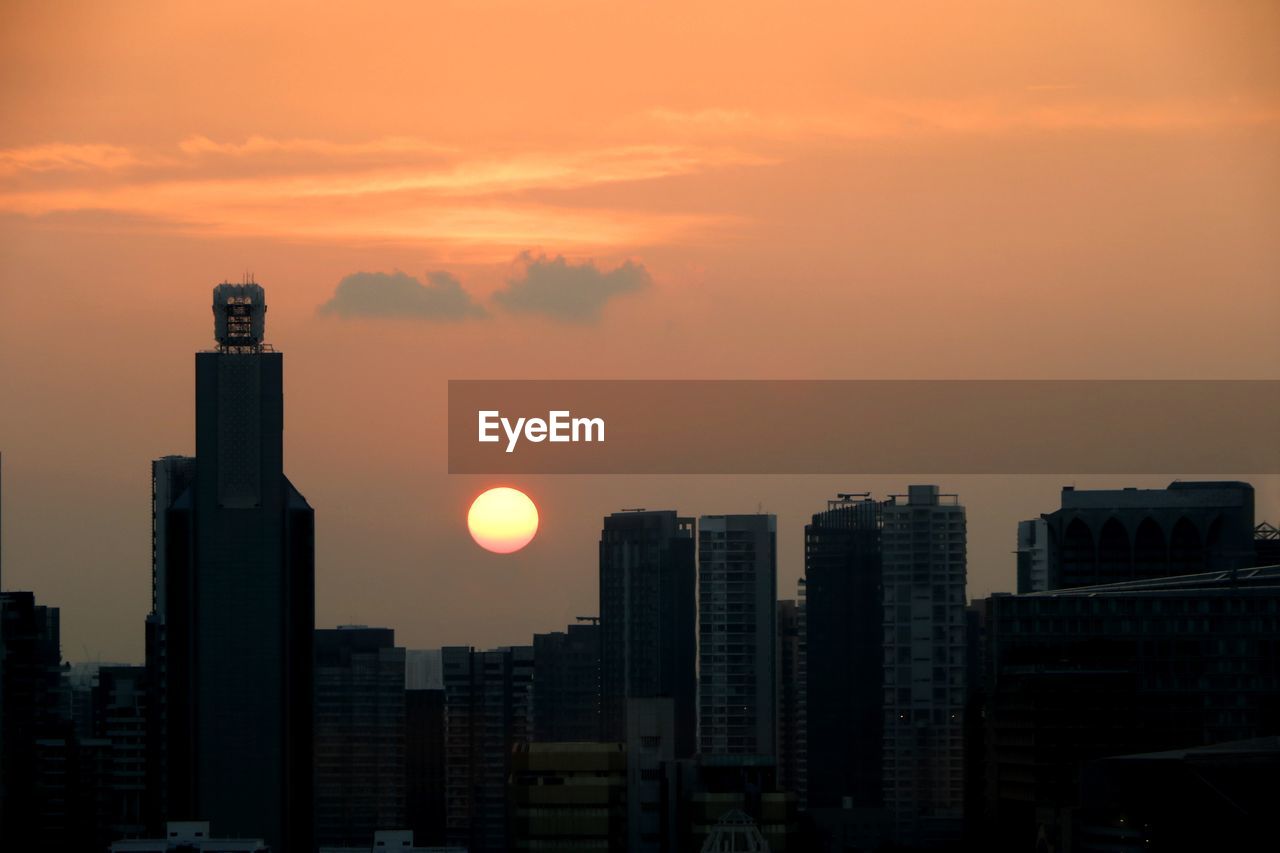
x: 812, y: 189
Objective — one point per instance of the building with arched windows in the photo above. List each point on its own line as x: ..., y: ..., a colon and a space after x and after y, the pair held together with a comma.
x: 1101, y: 536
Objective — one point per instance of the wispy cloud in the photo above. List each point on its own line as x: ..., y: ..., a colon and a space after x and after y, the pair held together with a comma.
x: 389, y: 189
x: 58, y: 156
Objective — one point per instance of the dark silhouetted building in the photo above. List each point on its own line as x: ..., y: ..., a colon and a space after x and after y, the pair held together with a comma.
x: 569, y: 796
x: 57, y: 790
x: 1086, y: 673
x: 1218, y: 797
x: 424, y: 764
x: 844, y: 661
x: 792, y: 717
x: 235, y: 599
x: 648, y: 614
x: 31, y: 686
x: 737, y: 610
x: 1101, y: 536
x: 487, y: 713
x: 171, y: 477
x: 120, y: 699
x: 359, y: 734
x: 652, y: 776
x: 566, y: 689
x: 887, y: 665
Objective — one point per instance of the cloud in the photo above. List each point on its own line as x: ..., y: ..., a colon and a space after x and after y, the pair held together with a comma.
x: 58, y: 156
x: 380, y: 294
x: 569, y: 292
x: 488, y: 204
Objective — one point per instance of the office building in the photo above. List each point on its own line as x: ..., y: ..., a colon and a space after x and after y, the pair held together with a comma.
x: 737, y: 608
x: 648, y: 615
x: 359, y: 733
x: 488, y: 698
x: 566, y: 689
x: 569, y: 797
x: 1085, y: 673
x: 1101, y: 536
x: 235, y: 599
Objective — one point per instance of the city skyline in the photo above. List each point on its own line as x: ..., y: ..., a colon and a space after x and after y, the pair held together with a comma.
x: 677, y: 677
x: 482, y: 191
x: 437, y: 552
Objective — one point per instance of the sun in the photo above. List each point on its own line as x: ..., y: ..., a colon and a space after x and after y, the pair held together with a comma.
x: 503, y: 520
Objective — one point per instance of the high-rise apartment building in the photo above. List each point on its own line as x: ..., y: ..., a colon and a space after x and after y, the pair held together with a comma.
x: 648, y: 611
x: 925, y: 664
x: 235, y: 599
x: 566, y: 689
x: 488, y: 697
x: 359, y: 734
x: 737, y: 608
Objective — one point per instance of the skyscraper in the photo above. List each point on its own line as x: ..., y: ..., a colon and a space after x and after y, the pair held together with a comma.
x: 887, y: 665
x: 737, y: 606
x: 235, y: 590
x: 359, y: 736
x: 647, y: 619
x: 925, y: 665
x: 844, y: 661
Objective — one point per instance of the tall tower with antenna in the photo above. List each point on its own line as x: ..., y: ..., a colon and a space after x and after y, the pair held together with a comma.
x: 235, y: 594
